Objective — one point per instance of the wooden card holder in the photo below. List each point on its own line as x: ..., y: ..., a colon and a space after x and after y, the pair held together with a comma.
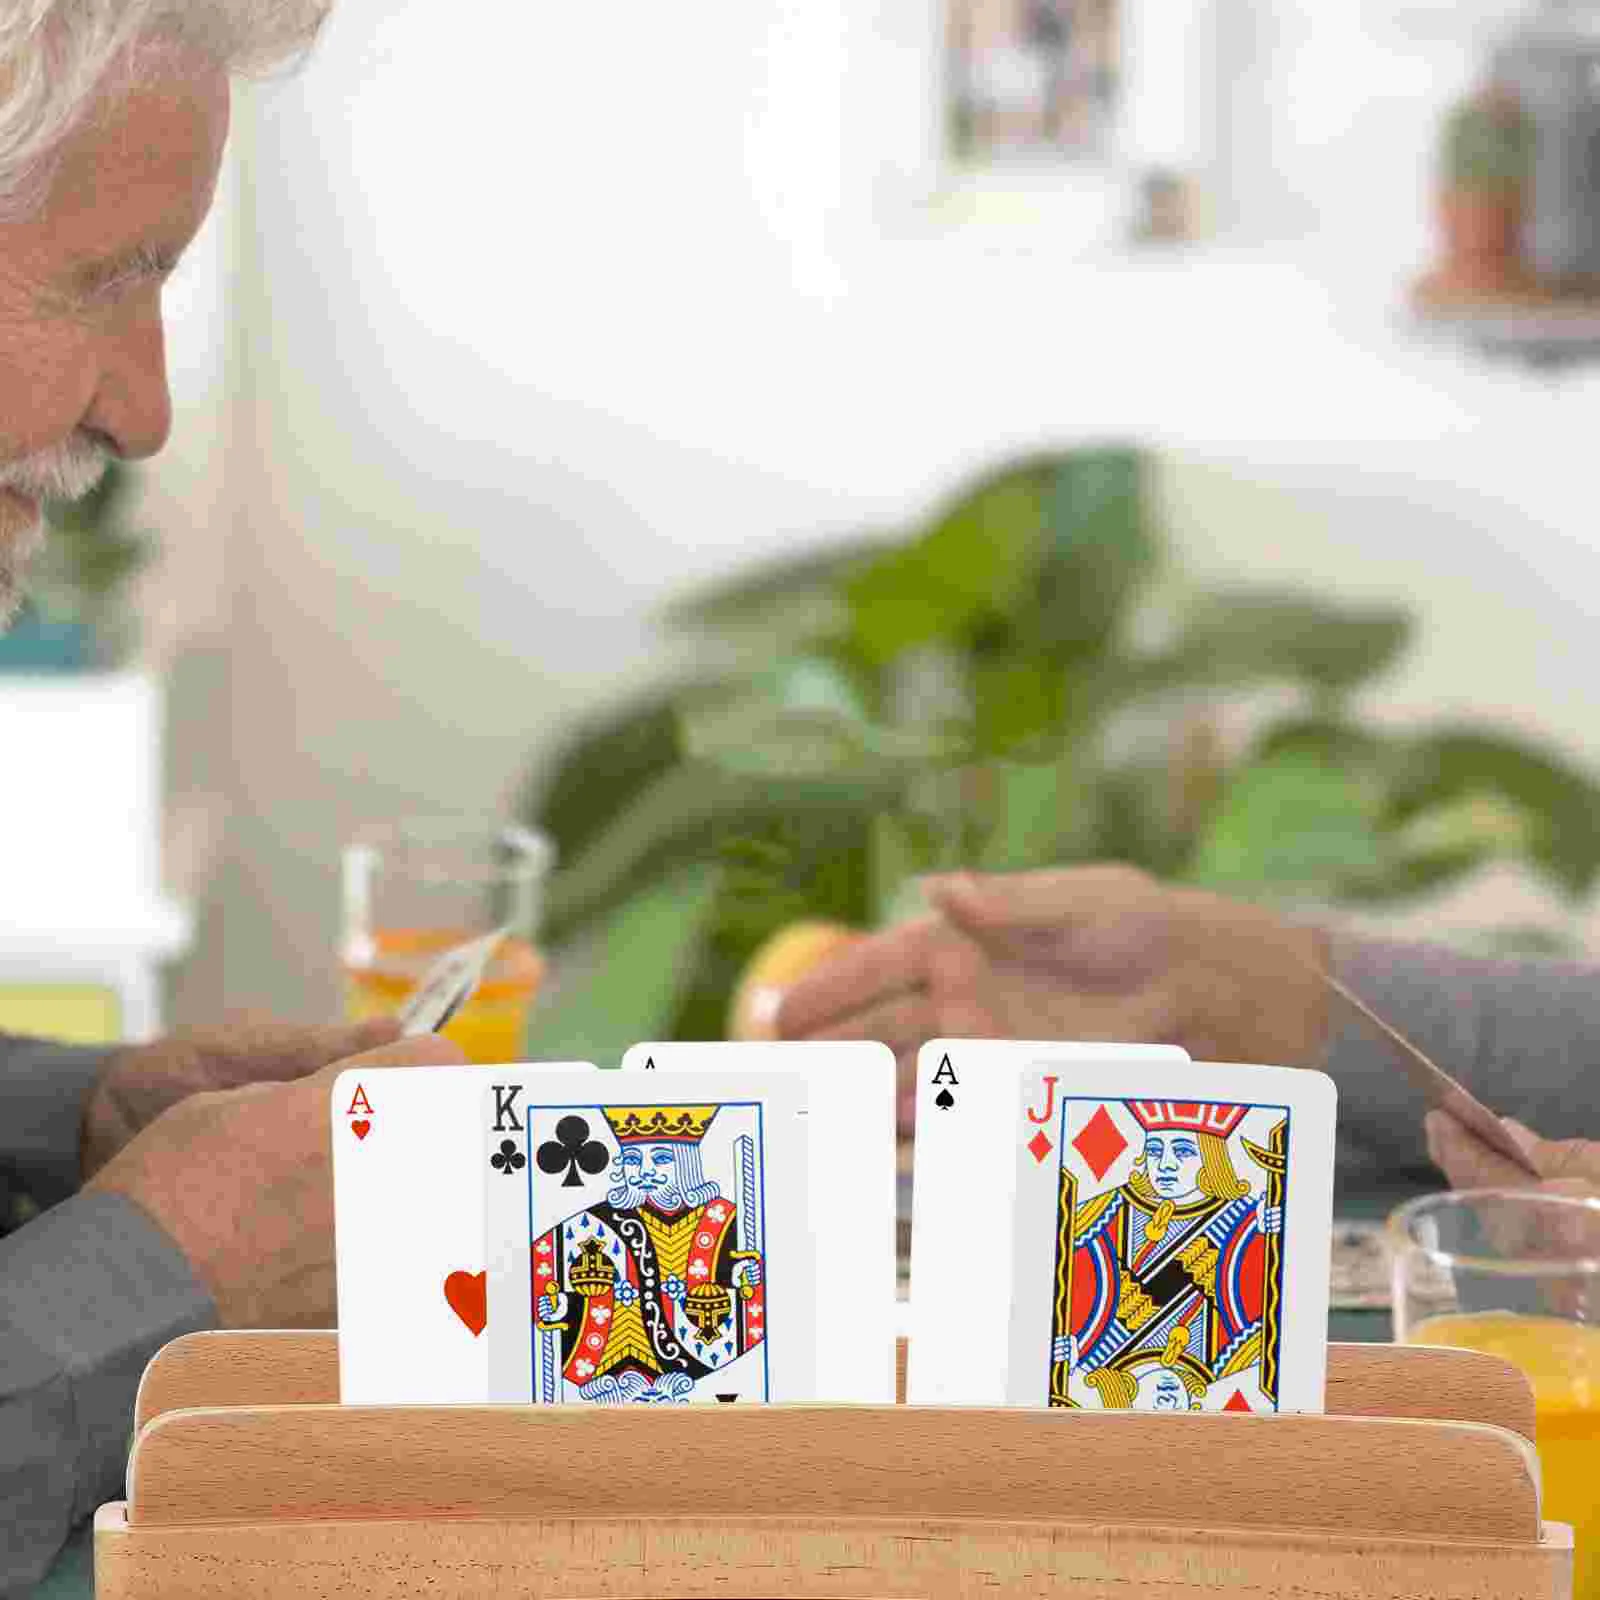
x: 247, y: 1478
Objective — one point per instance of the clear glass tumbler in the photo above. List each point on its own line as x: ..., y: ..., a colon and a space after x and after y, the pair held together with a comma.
x: 419, y: 886
x: 1516, y: 1274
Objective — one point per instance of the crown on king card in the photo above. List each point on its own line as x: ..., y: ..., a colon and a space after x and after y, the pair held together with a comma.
x: 1186, y: 1116
x: 643, y: 1124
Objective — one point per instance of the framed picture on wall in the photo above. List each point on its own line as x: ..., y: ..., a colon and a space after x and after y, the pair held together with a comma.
x: 1098, y: 117
x: 1030, y: 85
x: 1028, y: 119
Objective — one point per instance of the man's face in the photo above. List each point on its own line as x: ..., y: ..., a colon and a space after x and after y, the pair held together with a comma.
x: 82, y: 357
x: 1173, y: 1163
x: 650, y: 1172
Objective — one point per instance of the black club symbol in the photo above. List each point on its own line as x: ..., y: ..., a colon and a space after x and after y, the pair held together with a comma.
x: 570, y: 1150
x: 508, y: 1160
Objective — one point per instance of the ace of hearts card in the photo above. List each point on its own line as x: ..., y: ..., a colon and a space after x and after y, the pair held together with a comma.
x: 648, y: 1239
x: 408, y: 1232
x: 1170, y: 1238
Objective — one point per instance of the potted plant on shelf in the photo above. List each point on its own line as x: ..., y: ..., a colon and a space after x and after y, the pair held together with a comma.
x: 1485, y: 183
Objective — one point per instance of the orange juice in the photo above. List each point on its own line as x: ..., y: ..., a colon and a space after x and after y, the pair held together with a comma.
x: 490, y: 1027
x: 1562, y: 1361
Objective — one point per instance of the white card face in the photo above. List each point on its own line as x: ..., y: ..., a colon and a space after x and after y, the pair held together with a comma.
x: 850, y: 1119
x: 648, y: 1240
x: 408, y: 1233
x: 963, y: 1189
x: 1171, y: 1238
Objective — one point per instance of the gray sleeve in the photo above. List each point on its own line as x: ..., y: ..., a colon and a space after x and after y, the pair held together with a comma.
x: 42, y: 1090
x: 1523, y: 1036
x: 88, y: 1293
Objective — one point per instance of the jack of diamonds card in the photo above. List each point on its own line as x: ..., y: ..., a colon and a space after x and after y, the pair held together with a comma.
x: 1172, y: 1236
x: 657, y: 1239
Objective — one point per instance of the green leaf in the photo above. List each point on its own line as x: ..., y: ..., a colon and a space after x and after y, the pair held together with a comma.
x: 627, y: 980
x: 747, y: 731
x: 756, y: 596
x: 1099, y: 548
x: 1291, y: 824
x: 1018, y: 702
x: 972, y: 566
x: 1403, y: 878
x: 1257, y: 637
x: 600, y: 769
x: 1559, y: 802
x: 904, y: 846
x: 1029, y: 827
x: 683, y: 816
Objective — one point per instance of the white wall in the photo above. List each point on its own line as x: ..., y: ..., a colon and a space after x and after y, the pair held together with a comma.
x: 545, y: 312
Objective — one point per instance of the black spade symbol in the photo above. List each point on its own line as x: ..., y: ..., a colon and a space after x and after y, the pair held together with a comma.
x: 944, y: 1099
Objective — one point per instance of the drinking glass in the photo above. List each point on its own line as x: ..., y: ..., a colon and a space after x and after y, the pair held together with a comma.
x: 1516, y: 1274
x: 419, y: 886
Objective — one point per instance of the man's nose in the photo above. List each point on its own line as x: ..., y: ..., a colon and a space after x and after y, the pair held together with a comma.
x: 132, y: 406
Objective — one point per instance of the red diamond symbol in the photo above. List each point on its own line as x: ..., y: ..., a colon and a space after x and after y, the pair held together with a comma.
x: 1040, y: 1146
x: 1100, y: 1143
x: 1237, y: 1402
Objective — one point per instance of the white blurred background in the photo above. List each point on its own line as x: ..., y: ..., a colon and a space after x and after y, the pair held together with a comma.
x: 512, y: 321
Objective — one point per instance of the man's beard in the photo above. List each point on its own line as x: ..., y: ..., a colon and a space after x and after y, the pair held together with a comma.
x: 16, y: 551
x: 67, y: 472
x: 634, y: 1196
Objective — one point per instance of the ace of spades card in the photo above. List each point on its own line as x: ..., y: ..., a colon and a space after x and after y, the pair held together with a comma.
x: 648, y: 1240
x: 408, y: 1232
x: 963, y: 1201
x: 1171, y: 1239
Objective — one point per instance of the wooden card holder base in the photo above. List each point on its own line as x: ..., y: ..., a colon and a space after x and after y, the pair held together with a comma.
x: 249, y: 1479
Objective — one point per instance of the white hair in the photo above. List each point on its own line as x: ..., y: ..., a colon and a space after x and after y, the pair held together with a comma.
x: 57, y: 57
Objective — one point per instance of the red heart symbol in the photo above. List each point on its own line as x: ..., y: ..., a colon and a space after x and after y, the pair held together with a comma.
x: 467, y: 1294
x: 361, y: 1129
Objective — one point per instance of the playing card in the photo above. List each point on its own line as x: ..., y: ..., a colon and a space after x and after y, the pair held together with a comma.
x: 648, y: 1240
x: 1170, y: 1238
x: 1438, y: 1088
x: 448, y: 984
x: 850, y: 1140
x: 963, y: 1183
x: 408, y: 1232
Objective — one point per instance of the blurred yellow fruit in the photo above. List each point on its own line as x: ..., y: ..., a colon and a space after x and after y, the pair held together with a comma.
x: 783, y: 960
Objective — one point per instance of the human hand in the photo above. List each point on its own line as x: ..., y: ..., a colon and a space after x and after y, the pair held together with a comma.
x: 1565, y: 1166
x: 241, y: 1181
x: 1081, y: 953
x: 139, y: 1083
x: 1569, y: 1170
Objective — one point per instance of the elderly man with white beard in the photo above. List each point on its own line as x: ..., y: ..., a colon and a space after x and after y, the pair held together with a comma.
x: 185, y: 1183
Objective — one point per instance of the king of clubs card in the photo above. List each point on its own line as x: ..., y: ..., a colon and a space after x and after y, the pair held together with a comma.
x: 653, y: 1293
x: 1168, y: 1283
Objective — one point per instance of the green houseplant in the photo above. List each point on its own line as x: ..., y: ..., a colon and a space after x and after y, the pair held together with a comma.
x: 1022, y: 680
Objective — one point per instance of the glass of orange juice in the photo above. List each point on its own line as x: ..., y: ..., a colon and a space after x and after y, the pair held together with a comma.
x: 417, y: 887
x: 1516, y: 1274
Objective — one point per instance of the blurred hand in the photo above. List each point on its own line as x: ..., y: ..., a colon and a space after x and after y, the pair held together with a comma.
x: 1569, y: 1168
x: 241, y: 1181
x: 1079, y: 953
x: 1566, y: 1166
x: 139, y: 1083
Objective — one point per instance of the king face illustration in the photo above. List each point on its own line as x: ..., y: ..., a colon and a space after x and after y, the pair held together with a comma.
x: 638, y: 1297
x: 1168, y: 1282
